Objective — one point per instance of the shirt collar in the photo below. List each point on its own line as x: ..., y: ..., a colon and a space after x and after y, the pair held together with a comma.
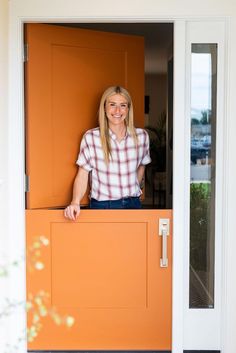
x: 113, y: 135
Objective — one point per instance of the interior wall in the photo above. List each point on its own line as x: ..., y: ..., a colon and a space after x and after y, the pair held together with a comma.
x: 156, y: 89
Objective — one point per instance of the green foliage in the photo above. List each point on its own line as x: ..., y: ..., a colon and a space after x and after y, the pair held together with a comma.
x: 195, y: 121
x: 200, y: 195
x: 38, y: 307
x: 206, y: 117
x: 38, y: 304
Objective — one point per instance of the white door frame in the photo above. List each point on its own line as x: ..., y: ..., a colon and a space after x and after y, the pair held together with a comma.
x: 204, y: 325
x: 17, y: 160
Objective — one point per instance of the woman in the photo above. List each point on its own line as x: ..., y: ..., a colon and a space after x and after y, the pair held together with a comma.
x: 115, y: 154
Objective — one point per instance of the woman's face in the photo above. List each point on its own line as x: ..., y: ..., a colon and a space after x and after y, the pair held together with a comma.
x: 116, y: 110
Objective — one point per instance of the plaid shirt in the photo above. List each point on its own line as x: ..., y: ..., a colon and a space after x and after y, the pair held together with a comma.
x: 118, y: 178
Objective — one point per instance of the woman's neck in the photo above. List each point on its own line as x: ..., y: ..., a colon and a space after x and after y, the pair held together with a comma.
x: 119, y: 131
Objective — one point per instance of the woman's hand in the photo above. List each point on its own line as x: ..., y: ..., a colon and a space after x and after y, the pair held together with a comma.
x: 79, y: 188
x: 72, y: 211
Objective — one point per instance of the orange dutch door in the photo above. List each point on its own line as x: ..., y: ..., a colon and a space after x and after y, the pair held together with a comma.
x: 97, y: 283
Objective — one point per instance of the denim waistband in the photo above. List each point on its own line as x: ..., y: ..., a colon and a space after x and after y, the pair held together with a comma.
x: 130, y: 202
x: 122, y: 198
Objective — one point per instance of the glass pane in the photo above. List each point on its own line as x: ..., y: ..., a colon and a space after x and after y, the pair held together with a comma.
x: 202, y: 184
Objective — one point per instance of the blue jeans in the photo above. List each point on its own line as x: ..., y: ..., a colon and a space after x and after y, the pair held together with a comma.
x: 124, y: 203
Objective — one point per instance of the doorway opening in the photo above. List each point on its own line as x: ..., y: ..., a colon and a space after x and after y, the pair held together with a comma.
x: 158, y: 103
x: 137, y: 248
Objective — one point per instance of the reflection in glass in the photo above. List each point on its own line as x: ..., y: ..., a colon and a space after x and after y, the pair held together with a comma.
x: 202, y: 185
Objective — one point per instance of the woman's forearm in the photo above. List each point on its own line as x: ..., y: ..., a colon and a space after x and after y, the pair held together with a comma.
x: 140, y: 173
x: 80, y: 186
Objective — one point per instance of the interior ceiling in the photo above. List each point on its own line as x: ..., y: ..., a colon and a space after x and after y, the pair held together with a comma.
x: 158, y: 39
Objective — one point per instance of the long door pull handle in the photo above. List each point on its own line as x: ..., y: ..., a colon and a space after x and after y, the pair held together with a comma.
x: 164, y: 225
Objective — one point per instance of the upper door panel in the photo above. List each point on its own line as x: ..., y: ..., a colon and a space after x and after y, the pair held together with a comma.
x: 66, y: 73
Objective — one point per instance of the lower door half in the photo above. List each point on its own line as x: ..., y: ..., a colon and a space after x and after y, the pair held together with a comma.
x: 97, y: 283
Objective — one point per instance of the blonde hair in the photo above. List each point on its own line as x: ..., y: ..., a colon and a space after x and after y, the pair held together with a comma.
x: 103, y: 121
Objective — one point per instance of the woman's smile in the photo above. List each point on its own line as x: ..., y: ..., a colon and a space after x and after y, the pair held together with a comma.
x: 116, y: 109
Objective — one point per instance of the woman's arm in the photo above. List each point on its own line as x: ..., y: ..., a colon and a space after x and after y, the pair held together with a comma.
x: 140, y: 173
x: 79, y: 188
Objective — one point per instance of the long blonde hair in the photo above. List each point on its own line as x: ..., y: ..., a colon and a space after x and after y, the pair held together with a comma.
x: 103, y: 121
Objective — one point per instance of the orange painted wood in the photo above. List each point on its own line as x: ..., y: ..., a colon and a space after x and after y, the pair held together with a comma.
x: 67, y: 71
x: 103, y: 270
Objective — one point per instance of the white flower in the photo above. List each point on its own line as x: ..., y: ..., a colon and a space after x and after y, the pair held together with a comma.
x: 70, y: 321
x: 39, y: 265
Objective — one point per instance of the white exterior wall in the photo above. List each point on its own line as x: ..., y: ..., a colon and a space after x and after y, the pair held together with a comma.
x: 3, y: 151
x: 3, y: 111
x: 42, y: 10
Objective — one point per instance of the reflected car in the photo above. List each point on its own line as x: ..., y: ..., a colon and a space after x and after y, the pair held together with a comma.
x: 200, y: 149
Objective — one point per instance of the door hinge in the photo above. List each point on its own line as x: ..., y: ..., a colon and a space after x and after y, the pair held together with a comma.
x: 26, y: 53
x: 27, y: 186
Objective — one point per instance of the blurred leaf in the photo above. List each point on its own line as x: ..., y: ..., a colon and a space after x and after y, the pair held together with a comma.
x: 28, y: 305
x: 44, y: 240
x: 3, y: 271
x: 43, y: 311
x: 37, y: 253
x: 38, y: 300
x: 57, y: 319
x: 36, y: 318
x: 36, y: 245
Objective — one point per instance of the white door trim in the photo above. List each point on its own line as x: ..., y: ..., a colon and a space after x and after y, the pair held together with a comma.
x: 16, y: 163
x: 201, y: 323
x: 179, y: 174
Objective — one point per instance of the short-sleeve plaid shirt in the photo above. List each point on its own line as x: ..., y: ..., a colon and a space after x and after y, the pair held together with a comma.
x: 118, y: 178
